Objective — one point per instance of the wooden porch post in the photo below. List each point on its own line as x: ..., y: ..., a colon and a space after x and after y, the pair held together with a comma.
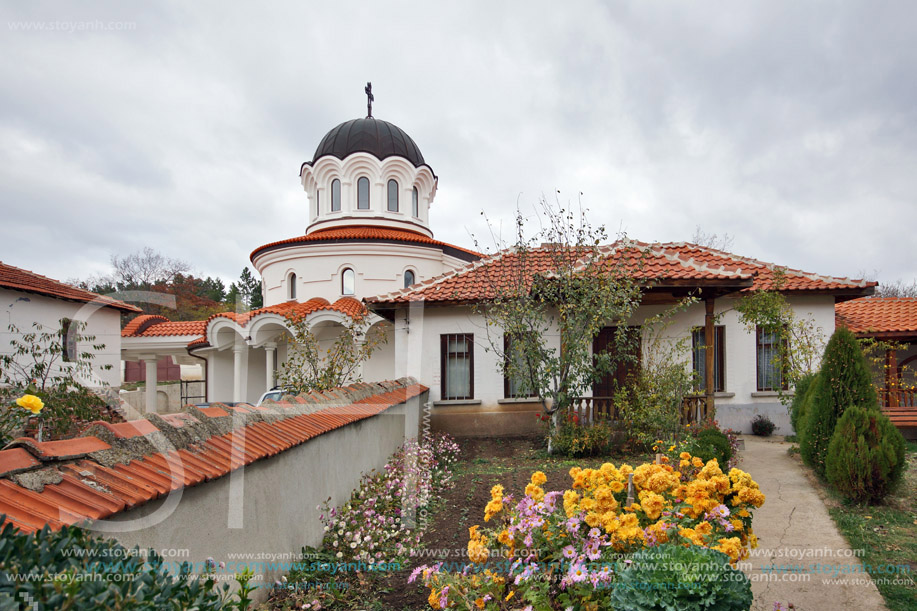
x: 891, y: 377
x: 709, y: 350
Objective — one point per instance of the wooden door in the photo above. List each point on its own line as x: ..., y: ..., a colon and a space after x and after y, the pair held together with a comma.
x: 623, y: 367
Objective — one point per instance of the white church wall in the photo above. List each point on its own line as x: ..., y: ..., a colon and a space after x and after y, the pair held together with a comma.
x: 23, y: 309
x: 378, y: 268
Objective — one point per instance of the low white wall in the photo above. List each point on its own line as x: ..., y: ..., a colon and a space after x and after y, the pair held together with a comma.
x: 263, y: 514
x: 168, y: 397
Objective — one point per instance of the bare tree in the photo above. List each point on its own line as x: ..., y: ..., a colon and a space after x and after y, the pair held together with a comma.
x: 898, y: 288
x: 145, y: 268
x: 712, y: 240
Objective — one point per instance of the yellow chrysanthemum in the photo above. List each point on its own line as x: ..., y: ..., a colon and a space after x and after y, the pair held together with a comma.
x: 538, y: 478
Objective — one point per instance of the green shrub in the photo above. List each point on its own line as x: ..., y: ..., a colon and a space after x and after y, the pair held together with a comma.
x: 573, y: 439
x: 801, y: 393
x: 647, y: 414
x: 685, y: 578
x: 844, y: 380
x: 710, y: 443
x: 42, y: 568
x: 866, y: 455
x: 762, y: 425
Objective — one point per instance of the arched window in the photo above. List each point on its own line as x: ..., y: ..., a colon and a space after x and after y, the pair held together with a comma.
x: 408, y: 278
x: 318, y: 206
x: 347, y: 282
x: 415, y: 203
x: 292, y: 286
x: 363, y: 193
x: 393, y: 196
x: 335, y: 195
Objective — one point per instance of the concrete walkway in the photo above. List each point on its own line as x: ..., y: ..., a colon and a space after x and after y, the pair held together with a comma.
x: 801, y: 557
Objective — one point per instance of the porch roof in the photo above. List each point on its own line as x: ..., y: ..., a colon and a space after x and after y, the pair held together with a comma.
x: 880, y: 317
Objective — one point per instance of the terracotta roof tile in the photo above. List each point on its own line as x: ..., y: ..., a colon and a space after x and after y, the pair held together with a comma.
x: 90, y: 490
x: 368, y: 233
x: 160, y: 326
x: 16, y: 459
x: 23, y: 280
x: 296, y: 309
x: 879, y: 316
x: 657, y: 264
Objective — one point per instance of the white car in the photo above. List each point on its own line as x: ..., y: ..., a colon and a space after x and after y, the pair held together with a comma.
x: 274, y: 394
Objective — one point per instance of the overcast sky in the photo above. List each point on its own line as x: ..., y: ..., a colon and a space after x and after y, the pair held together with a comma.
x: 790, y: 126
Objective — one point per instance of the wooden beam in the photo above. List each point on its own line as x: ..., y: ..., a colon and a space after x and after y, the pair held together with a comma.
x: 709, y: 351
x: 891, y: 377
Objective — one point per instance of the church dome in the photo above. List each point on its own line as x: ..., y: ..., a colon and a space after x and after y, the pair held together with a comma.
x: 374, y: 136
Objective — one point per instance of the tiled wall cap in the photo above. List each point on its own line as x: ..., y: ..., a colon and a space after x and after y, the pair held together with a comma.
x: 61, y: 450
x: 15, y: 460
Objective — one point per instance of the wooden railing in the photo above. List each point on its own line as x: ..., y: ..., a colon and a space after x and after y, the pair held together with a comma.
x: 593, y: 409
x: 897, y: 397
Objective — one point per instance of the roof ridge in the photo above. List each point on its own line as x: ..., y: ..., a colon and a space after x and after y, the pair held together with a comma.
x: 859, y: 282
x: 56, y: 289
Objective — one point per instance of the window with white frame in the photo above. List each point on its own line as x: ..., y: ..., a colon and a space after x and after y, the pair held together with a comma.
x: 348, y: 282
x: 335, y: 195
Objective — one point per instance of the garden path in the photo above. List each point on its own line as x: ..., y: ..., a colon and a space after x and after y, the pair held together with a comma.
x: 802, y: 558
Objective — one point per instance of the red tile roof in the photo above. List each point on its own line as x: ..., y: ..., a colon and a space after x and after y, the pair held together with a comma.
x: 879, y: 316
x: 94, y: 477
x: 23, y: 280
x: 160, y: 326
x: 368, y: 233
x: 296, y: 309
x: 656, y: 264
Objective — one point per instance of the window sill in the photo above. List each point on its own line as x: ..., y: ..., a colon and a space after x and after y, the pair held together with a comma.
x: 771, y: 393
x: 720, y: 394
x: 519, y: 400
x: 457, y: 402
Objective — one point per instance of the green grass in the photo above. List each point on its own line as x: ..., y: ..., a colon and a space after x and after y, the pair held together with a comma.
x: 888, y: 536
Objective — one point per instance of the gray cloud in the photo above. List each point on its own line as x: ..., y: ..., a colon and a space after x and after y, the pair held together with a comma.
x: 788, y: 125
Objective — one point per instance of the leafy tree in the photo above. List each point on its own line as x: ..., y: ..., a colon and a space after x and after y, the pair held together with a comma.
x: 148, y: 271
x: 552, y: 300
x: 246, y: 292
x: 314, y: 364
x: 212, y: 289
x: 843, y: 381
x: 801, y: 341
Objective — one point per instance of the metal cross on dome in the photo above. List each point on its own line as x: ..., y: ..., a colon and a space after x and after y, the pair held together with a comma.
x: 369, y: 100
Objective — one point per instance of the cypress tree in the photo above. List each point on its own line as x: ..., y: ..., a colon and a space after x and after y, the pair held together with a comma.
x: 844, y: 380
x: 802, y: 395
x: 866, y: 455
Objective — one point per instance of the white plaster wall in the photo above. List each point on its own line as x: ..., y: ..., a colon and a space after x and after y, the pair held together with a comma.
x: 379, y: 268
x: 103, y: 323
x: 381, y: 365
x: 269, y: 507
x: 418, y: 353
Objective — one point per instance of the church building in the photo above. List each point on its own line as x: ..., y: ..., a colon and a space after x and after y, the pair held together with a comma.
x: 368, y: 248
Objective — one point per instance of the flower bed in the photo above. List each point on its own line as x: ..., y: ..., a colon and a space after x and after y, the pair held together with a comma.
x: 377, y: 529
x: 569, y: 549
x: 379, y: 522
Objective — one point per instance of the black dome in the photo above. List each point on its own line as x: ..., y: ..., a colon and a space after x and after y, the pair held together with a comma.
x: 373, y: 136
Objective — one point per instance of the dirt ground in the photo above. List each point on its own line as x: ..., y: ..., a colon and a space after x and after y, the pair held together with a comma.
x: 484, y: 463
